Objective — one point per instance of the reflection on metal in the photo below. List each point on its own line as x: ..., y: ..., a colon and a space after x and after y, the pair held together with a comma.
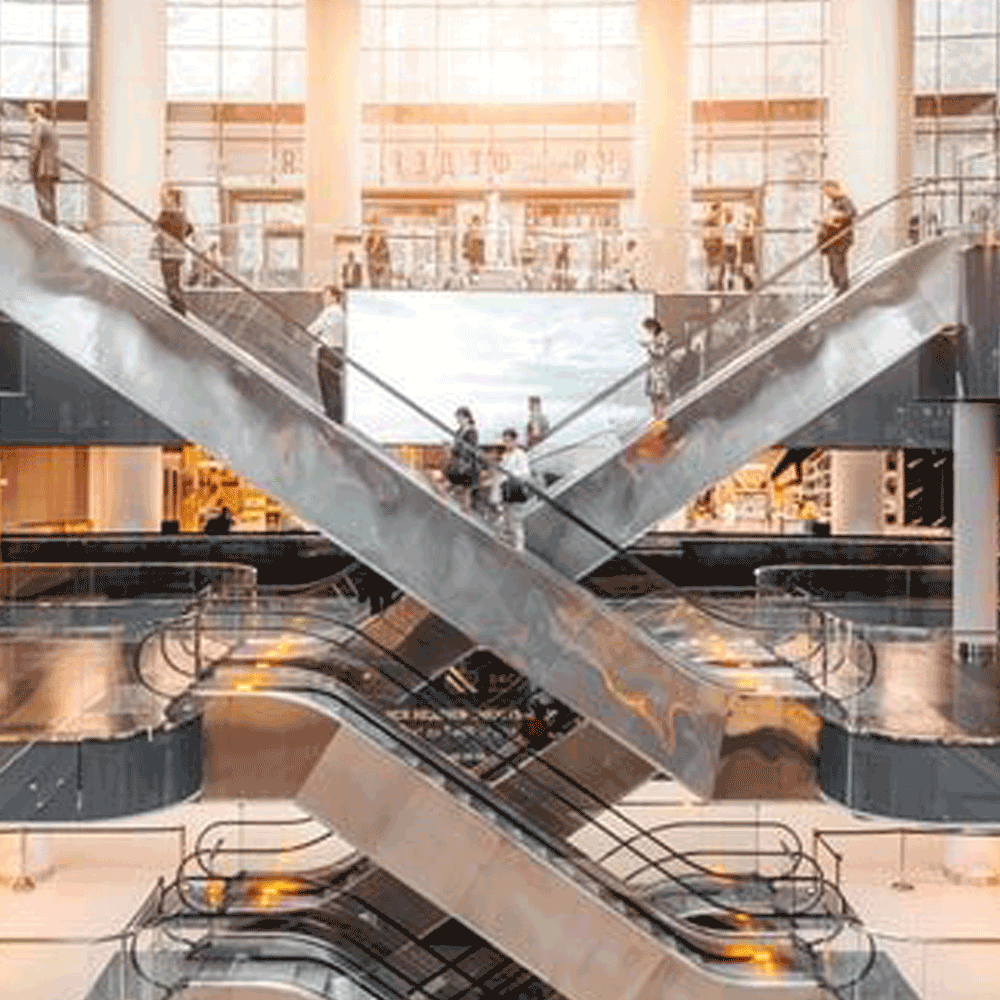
x: 501, y: 879
x: 762, y: 397
x: 191, y: 377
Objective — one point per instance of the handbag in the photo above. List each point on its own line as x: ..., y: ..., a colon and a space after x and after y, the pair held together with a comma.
x: 513, y: 492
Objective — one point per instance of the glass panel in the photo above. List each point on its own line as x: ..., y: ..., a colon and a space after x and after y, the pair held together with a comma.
x: 737, y: 22
x: 409, y: 75
x: 793, y: 159
x: 26, y: 22
x: 738, y: 162
x: 370, y: 70
x: 926, y: 17
x: 291, y: 76
x: 787, y: 22
x: 248, y: 26
x: 292, y: 28
x: 738, y: 71
x: 795, y: 69
x: 959, y: 17
x: 968, y: 64
x: 518, y: 74
x: 192, y: 26
x: 193, y: 73
x: 26, y: 71
x: 618, y: 74
x: 246, y: 75
x: 409, y: 28
x: 573, y: 27
x: 518, y: 29
x: 701, y: 24
x: 464, y: 74
x: 201, y: 203
x: 72, y: 71
x: 700, y: 73
x: 464, y: 29
x: 246, y: 159
x: 925, y: 67
x: 574, y: 74
x: 192, y: 158
x: 618, y: 26
x: 371, y: 27
x: 71, y: 23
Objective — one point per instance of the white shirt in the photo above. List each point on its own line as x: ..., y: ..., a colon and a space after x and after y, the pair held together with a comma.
x: 328, y: 326
x: 515, y: 463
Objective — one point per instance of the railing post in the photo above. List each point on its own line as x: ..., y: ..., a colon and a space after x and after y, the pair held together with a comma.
x: 24, y: 882
x: 902, y: 884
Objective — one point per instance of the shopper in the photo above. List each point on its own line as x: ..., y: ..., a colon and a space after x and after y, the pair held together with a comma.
x: 328, y: 329
x: 173, y: 229
x: 462, y: 471
x: 713, y: 242
x: 748, y: 246
x: 657, y: 344
x: 836, y: 234
x: 474, y: 248
x: 378, y: 256
x: 538, y: 424
x: 350, y: 273
x: 515, y: 473
x: 43, y: 162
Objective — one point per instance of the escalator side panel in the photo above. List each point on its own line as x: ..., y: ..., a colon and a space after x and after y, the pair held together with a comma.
x: 196, y: 381
x: 762, y: 398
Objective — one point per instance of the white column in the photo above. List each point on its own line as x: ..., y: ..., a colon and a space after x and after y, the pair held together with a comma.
x: 125, y: 488
x: 974, y: 536
x: 870, y: 126
x: 128, y: 101
x: 333, y: 132
x: 663, y: 125
x: 856, y: 501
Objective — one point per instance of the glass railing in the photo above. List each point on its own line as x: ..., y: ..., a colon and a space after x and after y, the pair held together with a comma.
x: 265, y: 331
x: 734, y: 330
x: 500, y: 738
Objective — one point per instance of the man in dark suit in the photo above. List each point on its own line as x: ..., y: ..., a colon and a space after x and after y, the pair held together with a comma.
x: 43, y: 162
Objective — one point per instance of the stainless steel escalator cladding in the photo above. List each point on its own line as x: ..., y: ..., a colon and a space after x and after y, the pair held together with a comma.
x: 760, y: 397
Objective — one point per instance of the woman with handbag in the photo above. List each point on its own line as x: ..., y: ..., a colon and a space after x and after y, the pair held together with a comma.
x: 462, y: 471
x: 514, y: 473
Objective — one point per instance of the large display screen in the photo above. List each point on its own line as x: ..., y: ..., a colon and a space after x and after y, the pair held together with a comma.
x: 490, y: 351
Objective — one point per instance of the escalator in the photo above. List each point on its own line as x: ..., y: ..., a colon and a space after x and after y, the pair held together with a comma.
x: 245, y: 389
x: 405, y: 801
x: 766, y: 367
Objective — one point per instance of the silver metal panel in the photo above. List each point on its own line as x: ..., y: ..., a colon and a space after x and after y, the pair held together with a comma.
x: 79, y: 301
x: 761, y: 398
x: 407, y: 822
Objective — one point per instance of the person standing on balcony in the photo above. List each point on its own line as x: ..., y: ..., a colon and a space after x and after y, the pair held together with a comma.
x: 173, y: 229
x: 378, y: 256
x: 474, y: 249
x: 836, y: 234
x: 715, y: 247
x: 43, y: 162
x: 350, y: 273
x: 538, y: 424
x: 328, y: 329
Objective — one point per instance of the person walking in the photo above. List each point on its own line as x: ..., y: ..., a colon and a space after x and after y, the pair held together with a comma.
x: 43, y: 162
x: 748, y: 246
x: 836, y: 234
x: 713, y: 241
x: 657, y: 344
x: 462, y: 471
x: 350, y: 273
x: 538, y: 424
x: 378, y: 256
x: 328, y: 329
x: 172, y: 229
x: 515, y: 472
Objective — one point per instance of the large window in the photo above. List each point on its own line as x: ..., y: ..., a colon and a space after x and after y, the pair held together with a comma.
x: 501, y: 50
x: 235, y: 135
x: 758, y: 84
x: 44, y: 57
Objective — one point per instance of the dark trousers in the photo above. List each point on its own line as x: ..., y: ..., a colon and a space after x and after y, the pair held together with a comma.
x: 171, y: 270
x: 329, y: 371
x: 837, y: 261
x: 45, y: 196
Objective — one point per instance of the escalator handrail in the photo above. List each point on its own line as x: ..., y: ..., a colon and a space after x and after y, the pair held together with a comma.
x: 816, y: 250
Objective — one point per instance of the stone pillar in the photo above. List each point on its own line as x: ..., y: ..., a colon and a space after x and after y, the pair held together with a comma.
x: 127, y: 114
x: 333, y: 132
x: 125, y: 488
x: 663, y: 125
x: 857, y: 506
x: 975, y: 679
x: 870, y: 125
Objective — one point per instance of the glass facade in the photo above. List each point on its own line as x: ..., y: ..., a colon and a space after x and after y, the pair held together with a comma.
x: 44, y: 56
x: 235, y: 135
x: 758, y: 83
